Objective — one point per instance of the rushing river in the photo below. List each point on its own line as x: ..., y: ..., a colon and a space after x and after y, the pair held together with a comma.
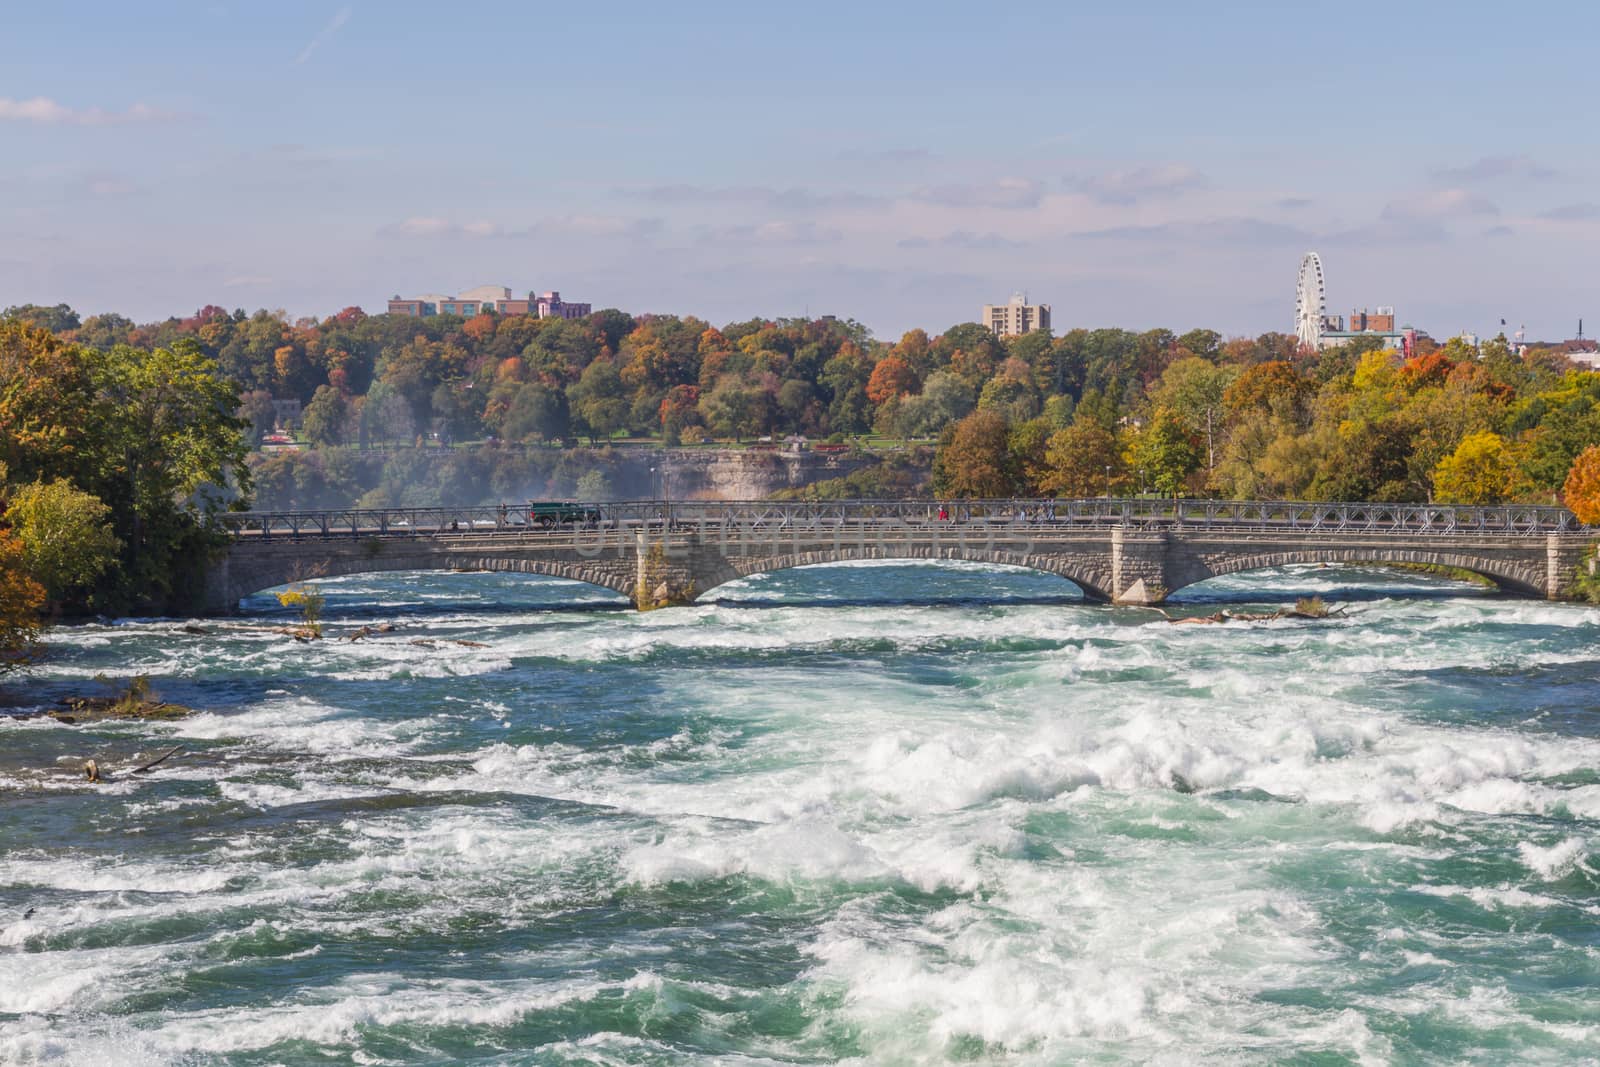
x: 877, y: 814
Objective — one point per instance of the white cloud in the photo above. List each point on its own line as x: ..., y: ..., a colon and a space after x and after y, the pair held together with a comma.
x: 426, y: 226
x: 1141, y: 183
x: 1438, y: 204
x: 1003, y: 193
x: 43, y: 110
x: 771, y: 233
x: 1495, y: 168
x: 333, y: 26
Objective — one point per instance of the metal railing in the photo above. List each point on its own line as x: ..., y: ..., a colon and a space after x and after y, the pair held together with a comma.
x: 1418, y: 520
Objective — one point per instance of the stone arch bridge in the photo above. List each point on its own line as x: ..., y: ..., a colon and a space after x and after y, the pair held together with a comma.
x: 1126, y: 551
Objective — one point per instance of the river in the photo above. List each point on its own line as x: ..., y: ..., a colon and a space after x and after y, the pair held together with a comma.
x: 866, y: 813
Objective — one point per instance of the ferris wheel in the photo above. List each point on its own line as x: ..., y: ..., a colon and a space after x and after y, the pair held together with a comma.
x: 1310, y: 302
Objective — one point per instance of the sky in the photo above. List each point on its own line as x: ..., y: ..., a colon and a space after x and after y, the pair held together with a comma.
x: 902, y: 164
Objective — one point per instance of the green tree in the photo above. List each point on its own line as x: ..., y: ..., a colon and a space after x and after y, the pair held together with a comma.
x: 172, y: 455
x: 1207, y: 344
x: 1028, y: 442
x: 1012, y: 397
x: 599, y: 400
x: 1164, y: 451
x: 256, y: 409
x: 326, y: 420
x: 1193, y: 389
x: 735, y: 408
x: 65, y: 533
x: 58, y: 319
x: 537, y: 412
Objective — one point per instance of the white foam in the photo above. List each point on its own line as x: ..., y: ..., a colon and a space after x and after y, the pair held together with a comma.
x: 1554, y: 861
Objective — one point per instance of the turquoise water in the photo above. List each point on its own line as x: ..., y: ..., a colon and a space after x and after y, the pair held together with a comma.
x: 829, y: 818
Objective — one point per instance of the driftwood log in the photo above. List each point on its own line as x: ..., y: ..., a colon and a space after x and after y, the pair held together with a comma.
x: 1250, y: 616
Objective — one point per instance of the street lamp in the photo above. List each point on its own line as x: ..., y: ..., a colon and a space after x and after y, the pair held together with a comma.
x: 1108, y: 481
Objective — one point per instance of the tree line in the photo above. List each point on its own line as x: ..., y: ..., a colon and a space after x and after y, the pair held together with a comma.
x: 1456, y: 423
x: 1083, y: 413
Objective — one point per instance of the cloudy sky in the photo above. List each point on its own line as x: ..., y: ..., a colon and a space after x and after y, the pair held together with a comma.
x: 898, y: 163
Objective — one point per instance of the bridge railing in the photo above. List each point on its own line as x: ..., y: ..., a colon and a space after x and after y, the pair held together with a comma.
x: 1096, y: 512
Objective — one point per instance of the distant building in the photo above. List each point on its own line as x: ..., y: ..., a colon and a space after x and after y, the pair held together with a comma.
x: 1380, y: 321
x: 1016, y: 317
x: 286, y: 414
x: 486, y: 298
x: 1403, y: 340
x: 551, y: 306
x: 1364, y: 323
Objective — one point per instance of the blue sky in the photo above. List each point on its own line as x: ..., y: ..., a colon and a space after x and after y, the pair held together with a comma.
x: 1159, y: 164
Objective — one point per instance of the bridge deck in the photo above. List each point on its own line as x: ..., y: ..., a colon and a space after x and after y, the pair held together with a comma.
x: 1416, y: 520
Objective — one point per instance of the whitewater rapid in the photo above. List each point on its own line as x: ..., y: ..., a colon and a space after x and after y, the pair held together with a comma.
x: 876, y: 813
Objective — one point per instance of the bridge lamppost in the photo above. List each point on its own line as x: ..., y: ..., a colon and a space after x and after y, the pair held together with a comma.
x: 661, y: 490
x: 1108, y: 481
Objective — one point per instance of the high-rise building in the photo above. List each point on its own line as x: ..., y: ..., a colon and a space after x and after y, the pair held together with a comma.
x: 1016, y: 317
x: 486, y: 298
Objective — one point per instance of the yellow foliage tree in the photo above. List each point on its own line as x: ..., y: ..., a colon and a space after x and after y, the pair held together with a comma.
x: 1482, y: 470
x: 309, y: 599
x: 1582, y: 489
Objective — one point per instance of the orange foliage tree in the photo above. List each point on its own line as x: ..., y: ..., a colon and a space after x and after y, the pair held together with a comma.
x: 1582, y: 489
x: 892, y: 377
x: 20, y: 600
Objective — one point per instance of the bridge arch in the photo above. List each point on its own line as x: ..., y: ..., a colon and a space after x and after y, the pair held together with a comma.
x: 1510, y: 576
x: 255, y: 580
x: 1077, y: 569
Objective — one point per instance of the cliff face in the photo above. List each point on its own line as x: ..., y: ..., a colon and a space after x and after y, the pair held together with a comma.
x: 720, y: 474
x: 314, y: 479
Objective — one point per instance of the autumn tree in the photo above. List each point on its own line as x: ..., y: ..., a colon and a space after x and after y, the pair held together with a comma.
x: 679, y: 410
x: 1272, y: 388
x: 46, y: 404
x: 974, y: 458
x: 1581, y: 492
x: 892, y: 377
x: 21, y: 598
x: 1082, y: 461
x: 1482, y: 470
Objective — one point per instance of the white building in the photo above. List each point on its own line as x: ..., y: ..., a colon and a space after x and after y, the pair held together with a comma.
x: 1016, y: 317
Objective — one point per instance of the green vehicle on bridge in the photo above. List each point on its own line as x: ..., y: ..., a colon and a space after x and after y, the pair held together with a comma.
x: 549, y: 513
